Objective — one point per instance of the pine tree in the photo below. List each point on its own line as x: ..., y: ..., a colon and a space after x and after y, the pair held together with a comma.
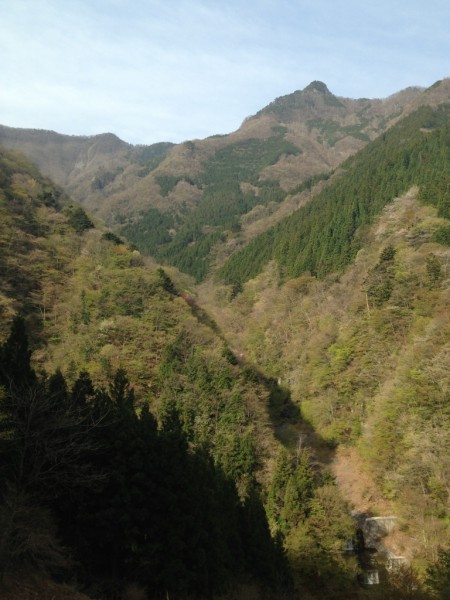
x: 15, y: 356
x: 438, y: 576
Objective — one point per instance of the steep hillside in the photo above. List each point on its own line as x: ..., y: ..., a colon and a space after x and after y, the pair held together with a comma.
x: 192, y: 204
x: 308, y: 373
x: 346, y: 302
x: 326, y: 234
x: 219, y: 192
x: 84, y: 165
x: 39, y: 232
x: 91, y: 463
x: 84, y: 455
x: 92, y: 304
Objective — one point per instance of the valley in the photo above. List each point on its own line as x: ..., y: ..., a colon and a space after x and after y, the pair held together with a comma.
x: 266, y: 316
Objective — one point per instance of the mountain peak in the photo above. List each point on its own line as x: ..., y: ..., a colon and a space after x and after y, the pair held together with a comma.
x: 309, y: 100
x: 317, y: 86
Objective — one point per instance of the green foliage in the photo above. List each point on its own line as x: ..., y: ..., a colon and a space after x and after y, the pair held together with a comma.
x: 167, y: 283
x: 135, y: 502
x: 144, y: 154
x: 130, y: 501
x: 103, y: 178
x: 438, y: 576
x: 150, y: 157
x: 380, y: 280
x: 315, y: 524
x: 434, y: 270
x: 331, y: 132
x: 309, y: 183
x: 220, y: 208
x: 299, y: 491
x: 30, y: 221
x: 387, y: 254
x: 50, y: 198
x: 442, y: 236
x: 190, y: 250
x: 78, y: 219
x: 321, y: 237
x: 366, y: 355
x: 222, y: 204
x: 109, y: 236
x: 15, y: 357
x: 291, y: 491
x: 268, y: 558
x: 244, y: 160
x: 216, y: 406
x: 285, y: 107
x: 168, y: 182
x: 150, y: 231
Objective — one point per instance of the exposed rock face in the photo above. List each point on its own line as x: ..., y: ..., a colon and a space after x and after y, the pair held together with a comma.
x: 377, y: 528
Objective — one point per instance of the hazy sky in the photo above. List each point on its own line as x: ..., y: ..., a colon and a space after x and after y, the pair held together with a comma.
x: 172, y: 70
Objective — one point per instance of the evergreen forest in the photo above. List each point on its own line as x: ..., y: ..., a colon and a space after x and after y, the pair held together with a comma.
x: 323, y: 237
x: 225, y: 391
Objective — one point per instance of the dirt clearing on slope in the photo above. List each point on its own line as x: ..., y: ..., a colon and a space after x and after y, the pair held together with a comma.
x: 360, y: 490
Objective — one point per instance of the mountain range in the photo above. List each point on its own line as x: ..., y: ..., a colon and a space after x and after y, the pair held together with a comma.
x: 278, y: 298
x: 163, y: 197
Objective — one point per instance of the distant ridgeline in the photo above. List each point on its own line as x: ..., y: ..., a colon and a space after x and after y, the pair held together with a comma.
x: 322, y: 237
x: 222, y: 204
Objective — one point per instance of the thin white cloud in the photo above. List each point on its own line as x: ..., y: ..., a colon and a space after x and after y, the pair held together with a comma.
x: 179, y: 69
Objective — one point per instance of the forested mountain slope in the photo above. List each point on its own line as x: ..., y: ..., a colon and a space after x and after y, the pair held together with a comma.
x: 103, y: 158
x: 153, y: 423
x: 76, y: 446
x: 152, y: 479
x: 260, y: 173
x: 356, y: 321
x: 84, y: 166
x: 325, y: 235
x: 192, y: 204
x: 38, y: 227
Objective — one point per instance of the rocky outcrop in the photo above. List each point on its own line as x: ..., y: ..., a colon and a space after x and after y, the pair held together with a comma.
x: 375, y: 529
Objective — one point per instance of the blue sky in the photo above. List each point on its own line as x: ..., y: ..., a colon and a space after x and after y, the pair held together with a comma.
x: 172, y: 70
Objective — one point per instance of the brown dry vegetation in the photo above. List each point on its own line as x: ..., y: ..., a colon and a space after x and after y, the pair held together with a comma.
x: 357, y: 369
x: 74, y: 161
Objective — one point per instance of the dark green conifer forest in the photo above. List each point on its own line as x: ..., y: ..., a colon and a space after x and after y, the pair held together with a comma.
x: 322, y: 237
x: 115, y: 496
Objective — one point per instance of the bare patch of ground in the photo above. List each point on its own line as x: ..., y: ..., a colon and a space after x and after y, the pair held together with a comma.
x: 361, y: 492
x: 356, y: 484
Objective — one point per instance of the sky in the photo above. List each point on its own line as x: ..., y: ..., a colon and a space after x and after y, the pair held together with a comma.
x: 174, y: 70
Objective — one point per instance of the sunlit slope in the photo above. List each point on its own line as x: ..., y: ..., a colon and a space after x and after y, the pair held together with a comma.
x: 325, y: 235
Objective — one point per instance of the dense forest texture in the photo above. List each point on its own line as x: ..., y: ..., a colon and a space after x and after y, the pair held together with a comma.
x: 106, y: 479
x: 85, y: 478
x: 40, y: 229
x: 92, y: 484
x: 365, y: 356
x: 322, y: 237
x: 222, y: 203
x: 217, y: 472
x: 186, y: 203
x: 211, y: 185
